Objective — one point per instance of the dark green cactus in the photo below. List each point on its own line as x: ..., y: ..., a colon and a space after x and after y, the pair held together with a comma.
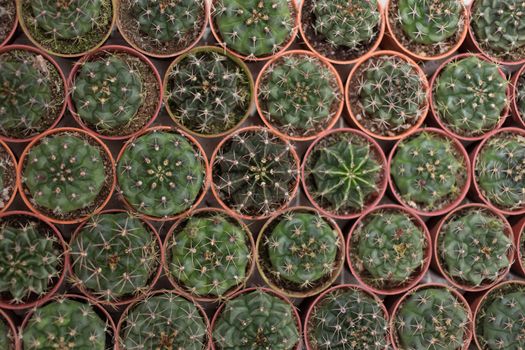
x: 470, y: 96
x: 7, y: 18
x: 161, y: 173
x: 6, y: 334
x: 164, y: 321
x: 299, y: 94
x: 7, y: 177
x: 209, y: 254
x: 256, y: 320
x: 208, y: 91
x: 428, y: 171
x: 114, y: 256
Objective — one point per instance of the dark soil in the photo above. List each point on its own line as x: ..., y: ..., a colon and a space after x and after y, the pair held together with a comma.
x: 7, y: 18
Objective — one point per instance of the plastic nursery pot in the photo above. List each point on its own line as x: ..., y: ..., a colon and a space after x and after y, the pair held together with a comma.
x: 204, y: 212
x: 12, y: 331
x: 80, y: 214
x: 337, y: 90
x: 11, y: 180
x: 8, y: 35
x: 519, y: 243
x: 515, y: 86
x: 416, y: 278
x: 353, y: 117
x: 291, y: 290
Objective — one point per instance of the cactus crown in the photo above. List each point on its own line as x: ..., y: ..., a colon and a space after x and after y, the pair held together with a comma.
x: 254, y: 28
x: 299, y: 94
x: 499, y: 170
x: 209, y: 254
x: 256, y: 320
x: 7, y: 177
x: 7, y: 19
x: 114, y: 256
x: 428, y: 171
x: 161, y: 173
x: 255, y: 172
x: 470, y: 96
x: 208, y: 92
x: 164, y: 321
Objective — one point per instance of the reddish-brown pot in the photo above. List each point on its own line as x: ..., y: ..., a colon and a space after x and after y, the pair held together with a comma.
x: 12, y: 32
x: 4, y: 317
x: 516, y: 115
x: 519, y: 263
x: 15, y: 175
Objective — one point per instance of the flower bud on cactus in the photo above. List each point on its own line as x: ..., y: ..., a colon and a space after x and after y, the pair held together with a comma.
x: 7, y: 18
x: 256, y: 320
x: 163, y: 321
x: 7, y: 176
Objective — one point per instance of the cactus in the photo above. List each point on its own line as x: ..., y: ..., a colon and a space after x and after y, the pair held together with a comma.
x: 431, y: 318
x: 256, y: 320
x: 255, y: 172
x: 7, y: 177
x: 6, y: 335
x: 520, y: 97
x: 161, y: 173
x: 470, y: 96
x: 114, y: 256
x: 299, y: 94
x: 428, y: 171
x: 163, y: 321
x: 208, y: 92
x: 347, y: 318
x: 254, y: 28
x: 7, y: 18
x: 499, y: 170
x: 209, y: 254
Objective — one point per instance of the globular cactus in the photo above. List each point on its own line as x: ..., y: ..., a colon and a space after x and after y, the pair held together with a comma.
x: 347, y: 318
x: 299, y: 94
x: 470, y: 96
x: 164, y: 321
x: 255, y: 172
x: 254, y: 28
x: 256, y: 320
x: 428, y: 171
x: 7, y: 177
x: 7, y: 18
x: 208, y: 92
x: 209, y: 254
x: 161, y: 173
x: 114, y: 256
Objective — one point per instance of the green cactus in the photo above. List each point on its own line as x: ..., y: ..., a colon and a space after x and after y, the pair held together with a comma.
x: 431, y: 318
x: 208, y: 92
x: 209, y: 254
x: 499, y: 170
x: 7, y: 18
x: 470, y: 96
x: 254, y: 28
x: 520, y: 96
x: 428, y: 171
x: 256, y: 320
x: 161, y: 173
x: 255, y: 172
x: 347, y: 318
x: 164, y: 321
x: 299, y: 94
x: 114, y: 256
x: 7, y: 177
x: 6, y: 333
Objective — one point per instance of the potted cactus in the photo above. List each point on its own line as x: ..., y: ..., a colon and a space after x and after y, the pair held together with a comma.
x: 8, y: 20
x: 429, y: 172
x: 344, y: 173
x: 67, y: 28
x: 341, y: 31
x: 208, y: 254
x: 208, y: 92
x: 256, y: 319
x: 115, y: 92
x: 517, y: 97
x: 162, y: 28
x: 255, y: 173
x: 7, y: 176
x: 115, y: 257
x: 387, y: 95
x: 299, y: 252
x: 346, y: 317
x: 33, y: 96
x: 254, y: 29
x: 298, y: 95
x: 389, y: 249
x: 8, y: 333
x: 519, y: 244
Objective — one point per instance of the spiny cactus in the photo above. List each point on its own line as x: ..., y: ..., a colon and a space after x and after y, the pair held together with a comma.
x: 299, y: 94
x: 7, y: 177
x: 7, y: 18
x: 347, y: 318
x: 161, y: 173
x: 256, y: 320
x: 208, y: 92
x: 114, y: 256
x: 254, y: 28
x: 428, y: 171
x: 209, y: 254
x: 255, y: 172
x: 470, y: 96
x: 431, y: 318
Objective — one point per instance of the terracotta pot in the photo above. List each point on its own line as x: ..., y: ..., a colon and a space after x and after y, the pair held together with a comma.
x: 10, y: 154
x: 519, y: 263
x: 417, y: 277
x: 4, y: 317
x: 11, y: 33
x: 516, y: 115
